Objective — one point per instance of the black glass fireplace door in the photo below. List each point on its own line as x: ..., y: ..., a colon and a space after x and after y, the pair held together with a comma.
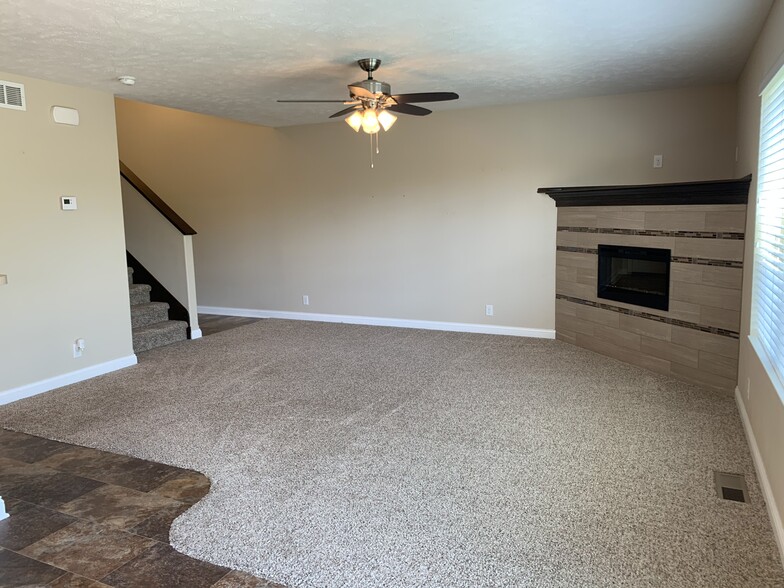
x: 635, y: 275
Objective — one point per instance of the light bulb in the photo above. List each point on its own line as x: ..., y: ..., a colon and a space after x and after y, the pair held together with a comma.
x: 370, y: 122
x: 355, y: 120
x: 387, y: 119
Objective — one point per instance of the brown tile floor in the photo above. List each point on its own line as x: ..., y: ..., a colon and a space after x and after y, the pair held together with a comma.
x: 82, y: 518
x: 214, y: 323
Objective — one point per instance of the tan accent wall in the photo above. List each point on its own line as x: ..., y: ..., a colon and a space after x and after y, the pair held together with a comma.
x: 762, y: 402
x: 448, y: 220
x: 701, y: 294
x: 66, y: 270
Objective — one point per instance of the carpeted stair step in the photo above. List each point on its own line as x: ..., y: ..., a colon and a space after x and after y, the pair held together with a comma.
x: 140, y: 293
x: 158, y: 335
x: 149, y: 319
x: 149, y: 313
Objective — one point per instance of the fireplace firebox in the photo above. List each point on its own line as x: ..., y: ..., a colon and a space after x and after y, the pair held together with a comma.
x: 635, y: 275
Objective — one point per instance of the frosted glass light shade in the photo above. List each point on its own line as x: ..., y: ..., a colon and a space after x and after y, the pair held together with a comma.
x: 355, y: 120
x: 386, y: 119
x: 370, y: 122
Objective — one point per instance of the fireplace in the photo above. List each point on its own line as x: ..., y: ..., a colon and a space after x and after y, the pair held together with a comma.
x: 614, y: 300
x: 635, y: 275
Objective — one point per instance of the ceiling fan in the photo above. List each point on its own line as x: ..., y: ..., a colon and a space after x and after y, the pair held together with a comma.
x: 371, y: 104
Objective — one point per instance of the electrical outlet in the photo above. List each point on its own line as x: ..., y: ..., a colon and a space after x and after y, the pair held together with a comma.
x: 78, y: 347
x: 657, y: 161
x: 306, y: 300
x: 489, y: 310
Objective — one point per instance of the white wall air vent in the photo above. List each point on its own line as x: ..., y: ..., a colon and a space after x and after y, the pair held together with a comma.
x: 12, y: 96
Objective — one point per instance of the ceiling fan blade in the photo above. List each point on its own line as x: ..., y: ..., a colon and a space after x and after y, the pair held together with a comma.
x: 409, y: 109
x: 341, y: 101
x: 346, y: 111
x: 425, y: 97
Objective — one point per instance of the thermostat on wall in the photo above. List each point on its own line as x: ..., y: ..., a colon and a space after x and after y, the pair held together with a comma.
x: 68, y: 202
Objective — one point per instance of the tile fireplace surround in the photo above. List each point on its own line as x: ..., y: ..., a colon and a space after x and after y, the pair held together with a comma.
x: 702, y: 224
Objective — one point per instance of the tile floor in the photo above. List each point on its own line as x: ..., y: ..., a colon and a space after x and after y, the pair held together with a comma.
x: 82, y: 518
x: 213, y: 323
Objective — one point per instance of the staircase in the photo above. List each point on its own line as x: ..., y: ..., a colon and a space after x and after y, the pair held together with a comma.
x: 150, y: 320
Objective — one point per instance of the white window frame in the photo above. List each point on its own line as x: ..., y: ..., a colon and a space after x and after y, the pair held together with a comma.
x: 767, y: 297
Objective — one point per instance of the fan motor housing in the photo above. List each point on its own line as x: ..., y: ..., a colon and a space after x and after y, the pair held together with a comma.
x: 371, y: 86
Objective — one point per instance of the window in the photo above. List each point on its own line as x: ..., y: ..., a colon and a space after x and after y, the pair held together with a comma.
x: 767, y: 310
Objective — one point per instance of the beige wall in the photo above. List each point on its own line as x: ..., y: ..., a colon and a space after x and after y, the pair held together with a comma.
x: 763, y: 404
x: 448, y: 221
x: 66, y: 270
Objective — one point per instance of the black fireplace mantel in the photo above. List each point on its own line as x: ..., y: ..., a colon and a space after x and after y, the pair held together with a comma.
x: 710, y: 192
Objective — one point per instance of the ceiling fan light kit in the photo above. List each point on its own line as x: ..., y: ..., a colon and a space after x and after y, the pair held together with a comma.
x: 371, y: 103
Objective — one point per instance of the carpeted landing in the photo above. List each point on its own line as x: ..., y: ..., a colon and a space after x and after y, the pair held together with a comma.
x: 353, y: 456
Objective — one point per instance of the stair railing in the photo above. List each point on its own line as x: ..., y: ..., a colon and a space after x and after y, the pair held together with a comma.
x: 161, y: 241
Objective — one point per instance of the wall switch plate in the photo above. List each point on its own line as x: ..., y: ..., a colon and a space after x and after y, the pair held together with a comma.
x: 657, y: 161
x: 306, y: 300
x: 489, y: 309
x: 68, y: 202
x: 78, y: 347
x: 3, y: 279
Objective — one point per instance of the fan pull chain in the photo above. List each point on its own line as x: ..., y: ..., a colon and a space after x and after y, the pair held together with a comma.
x: 378, y: 134
x: 371, y: 151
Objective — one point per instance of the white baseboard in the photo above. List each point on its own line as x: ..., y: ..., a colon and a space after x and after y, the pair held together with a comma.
x: 28, y: 390
x: 759, y: 465
x: 382, y: 322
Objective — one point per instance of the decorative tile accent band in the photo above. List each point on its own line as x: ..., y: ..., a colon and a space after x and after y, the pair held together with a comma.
x: 656, y: 233
x: 706, y: 261
x: 653, y: 317
x: 577, y: 249
x: 674, y: 259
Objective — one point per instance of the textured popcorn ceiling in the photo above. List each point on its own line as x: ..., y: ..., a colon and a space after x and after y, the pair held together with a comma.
x: 234, y: 58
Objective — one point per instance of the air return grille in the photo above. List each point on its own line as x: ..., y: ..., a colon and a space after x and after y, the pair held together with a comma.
x: 12, y: 96
x: 731, y: 486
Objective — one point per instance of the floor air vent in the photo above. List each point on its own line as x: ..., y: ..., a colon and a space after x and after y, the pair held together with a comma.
x: 731, y: 486
x: 12, y: 96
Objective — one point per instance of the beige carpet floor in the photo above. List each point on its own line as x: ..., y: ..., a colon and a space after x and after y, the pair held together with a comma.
x: 352, y: 456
